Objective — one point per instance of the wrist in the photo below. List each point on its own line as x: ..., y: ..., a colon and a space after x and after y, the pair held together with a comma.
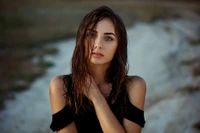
x: 97, y: 98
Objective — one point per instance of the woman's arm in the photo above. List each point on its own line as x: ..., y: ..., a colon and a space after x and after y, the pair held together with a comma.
x: 136, y: 90
x: 107, y: 119
x: 58, y: 101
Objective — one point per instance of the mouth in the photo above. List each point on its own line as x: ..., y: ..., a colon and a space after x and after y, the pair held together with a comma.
x: 97, y: 54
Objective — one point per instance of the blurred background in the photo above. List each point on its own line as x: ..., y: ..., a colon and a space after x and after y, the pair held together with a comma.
x: 37, y: 41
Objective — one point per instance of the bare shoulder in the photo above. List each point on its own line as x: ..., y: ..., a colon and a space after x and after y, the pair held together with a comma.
x: 57, y: 93
x: 56, y: 83
x: 136, y: 88
x: 135, y: 82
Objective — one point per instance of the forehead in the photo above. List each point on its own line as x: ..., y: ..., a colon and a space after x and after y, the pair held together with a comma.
x: 105, y: 25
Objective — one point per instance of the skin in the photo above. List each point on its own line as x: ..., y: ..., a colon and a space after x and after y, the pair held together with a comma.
x: 105, y: 44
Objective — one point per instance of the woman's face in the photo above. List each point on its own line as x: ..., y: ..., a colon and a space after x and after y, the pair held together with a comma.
x: 103, y: 41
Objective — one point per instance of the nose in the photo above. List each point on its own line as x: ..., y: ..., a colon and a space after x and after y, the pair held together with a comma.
x: 97, y: 43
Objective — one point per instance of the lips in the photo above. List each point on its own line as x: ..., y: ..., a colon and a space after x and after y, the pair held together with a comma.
x: 97, y: 54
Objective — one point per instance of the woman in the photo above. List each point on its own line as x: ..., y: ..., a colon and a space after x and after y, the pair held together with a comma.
x: 98, y: 96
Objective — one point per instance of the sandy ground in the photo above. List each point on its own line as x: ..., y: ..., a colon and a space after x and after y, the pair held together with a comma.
x: 149, y: 46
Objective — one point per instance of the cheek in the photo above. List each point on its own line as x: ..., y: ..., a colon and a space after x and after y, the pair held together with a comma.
x: 113, y: 50
x: 115, y: 47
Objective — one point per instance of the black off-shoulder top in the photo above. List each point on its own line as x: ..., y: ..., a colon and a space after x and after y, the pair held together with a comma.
x: 87, y: 122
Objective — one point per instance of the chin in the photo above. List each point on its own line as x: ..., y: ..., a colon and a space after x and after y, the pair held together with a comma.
x: 99, y: 62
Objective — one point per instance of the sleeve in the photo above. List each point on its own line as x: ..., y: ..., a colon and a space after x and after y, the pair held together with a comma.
x: 135, y: 114
x: 62, y: 118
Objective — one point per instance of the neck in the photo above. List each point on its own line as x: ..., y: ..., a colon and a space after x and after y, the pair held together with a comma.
x: 98, y: 73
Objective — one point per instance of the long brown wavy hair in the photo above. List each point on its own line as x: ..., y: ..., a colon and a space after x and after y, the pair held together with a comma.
x: 116, y: 73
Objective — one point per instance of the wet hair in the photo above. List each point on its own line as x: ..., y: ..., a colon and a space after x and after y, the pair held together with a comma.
x: 117, y: 71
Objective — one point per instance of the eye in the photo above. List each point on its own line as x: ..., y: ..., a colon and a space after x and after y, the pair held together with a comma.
x: 91, y: 35
x: 107, y: 38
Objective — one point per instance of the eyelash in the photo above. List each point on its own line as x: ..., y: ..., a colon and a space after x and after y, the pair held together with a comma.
x: 107, y: 38
x: 93, y: 35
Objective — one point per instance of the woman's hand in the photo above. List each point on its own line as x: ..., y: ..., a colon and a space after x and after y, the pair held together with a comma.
x: 91, y: 90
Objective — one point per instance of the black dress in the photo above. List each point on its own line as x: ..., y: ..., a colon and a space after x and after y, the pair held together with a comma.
x: 87, y: 122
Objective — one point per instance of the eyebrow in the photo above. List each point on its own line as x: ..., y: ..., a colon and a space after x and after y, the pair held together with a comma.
x: 107, y: 33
